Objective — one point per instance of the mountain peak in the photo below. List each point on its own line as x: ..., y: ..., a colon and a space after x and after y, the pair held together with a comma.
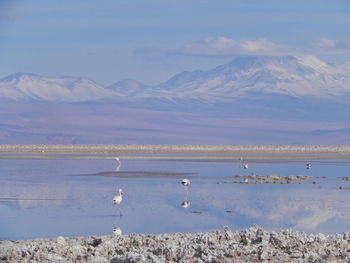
x: 251, y: 60
x: 244, y: 75
x: 27, y: 86
x: 19, y: 75
x: 313, y: 62
x: 302, y: 76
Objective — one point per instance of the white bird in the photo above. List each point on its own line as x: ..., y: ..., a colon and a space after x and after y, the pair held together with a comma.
x: 308, y: 166
x: 246, y: 180
x: 117, y: 231
x: 244, y: 166
x: 185, y: 204
x: 118, y: 198
x: 185, y: 182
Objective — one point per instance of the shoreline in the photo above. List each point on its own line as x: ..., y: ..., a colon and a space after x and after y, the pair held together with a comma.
x: 250, y: 245
x: 175, y: 152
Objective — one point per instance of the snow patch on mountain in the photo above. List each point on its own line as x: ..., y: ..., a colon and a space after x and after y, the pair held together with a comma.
x: 291, y: 76
x: 299, y: 77
x: 27, y: 87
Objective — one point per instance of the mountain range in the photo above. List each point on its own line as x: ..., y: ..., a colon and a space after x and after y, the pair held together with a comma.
x: 291, y: 76
x: 252, y: 99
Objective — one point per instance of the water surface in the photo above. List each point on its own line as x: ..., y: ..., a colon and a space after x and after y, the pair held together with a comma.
x: 48, y: 198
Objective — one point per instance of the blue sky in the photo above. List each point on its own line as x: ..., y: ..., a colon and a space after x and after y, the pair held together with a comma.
x: 150, y: 41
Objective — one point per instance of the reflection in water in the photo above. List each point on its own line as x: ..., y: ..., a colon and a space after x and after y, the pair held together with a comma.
x: 83, y: 206
x: 185, y: 200
x: 118, y: 164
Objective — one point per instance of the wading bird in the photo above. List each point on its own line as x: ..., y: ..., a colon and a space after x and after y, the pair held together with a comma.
x: 117, y: 231
x: 185, y: 204
x: 185, y: 182
x: 244, y: 166
x: 118, y: 199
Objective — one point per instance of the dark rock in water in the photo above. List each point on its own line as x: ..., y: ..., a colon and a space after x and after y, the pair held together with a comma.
x: 346, y: 178
x: 95, y: 242
x: 196, y: 212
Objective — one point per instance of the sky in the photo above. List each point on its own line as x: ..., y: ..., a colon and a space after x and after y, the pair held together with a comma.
x: 150, y: 41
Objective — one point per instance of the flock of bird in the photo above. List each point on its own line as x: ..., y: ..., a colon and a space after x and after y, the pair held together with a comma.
x: 117, y: 199
x: 185, y: 182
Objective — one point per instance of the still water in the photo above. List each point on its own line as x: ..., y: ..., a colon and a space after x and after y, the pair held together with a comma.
x: 48, y: 198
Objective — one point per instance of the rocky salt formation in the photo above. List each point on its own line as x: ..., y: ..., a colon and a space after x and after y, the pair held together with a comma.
x: 250, y: 245
x: 268, y: 179
x: 346, y: 178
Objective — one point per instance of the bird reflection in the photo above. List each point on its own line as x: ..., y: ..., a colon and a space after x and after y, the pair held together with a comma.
x: 185, y: 203
x: 117, y: 231
x: 118, y: 164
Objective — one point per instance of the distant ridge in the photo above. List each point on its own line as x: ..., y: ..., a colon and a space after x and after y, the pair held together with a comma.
x: 299, y: 77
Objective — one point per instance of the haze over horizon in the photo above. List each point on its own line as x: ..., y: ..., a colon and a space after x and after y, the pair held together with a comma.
x: 223, y: 72
x: 151, y: 41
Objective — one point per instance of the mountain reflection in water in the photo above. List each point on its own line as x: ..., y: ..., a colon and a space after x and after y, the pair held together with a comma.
x: 74, y: 197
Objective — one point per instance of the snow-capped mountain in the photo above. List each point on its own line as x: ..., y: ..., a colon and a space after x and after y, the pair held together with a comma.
x: 29, y: 87
x: 298, y: 77
x: 128, y: 87
x: 291, y: 76
x: 251, y: 100
x: 133, y: 90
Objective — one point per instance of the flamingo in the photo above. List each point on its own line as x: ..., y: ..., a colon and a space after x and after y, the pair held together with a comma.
x: 185, y: 182
x: 118, y: 199
x: 117, y: 231
x: 185, y: 204
x: 244, y: 166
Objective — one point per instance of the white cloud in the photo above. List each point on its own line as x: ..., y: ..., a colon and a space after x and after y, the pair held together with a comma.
x: 224, y: 46
x: 330, y: 45
x: 227, y: 47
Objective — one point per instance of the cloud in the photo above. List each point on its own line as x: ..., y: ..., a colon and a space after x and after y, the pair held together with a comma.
x: 331, y: 45
x: 222, y: 46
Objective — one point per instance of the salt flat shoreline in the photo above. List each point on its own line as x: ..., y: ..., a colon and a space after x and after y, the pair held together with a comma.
x: 250, y: 245
x: 184, y: 152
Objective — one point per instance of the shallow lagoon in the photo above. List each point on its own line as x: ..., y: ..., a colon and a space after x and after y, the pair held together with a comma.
x: 48, y: 198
